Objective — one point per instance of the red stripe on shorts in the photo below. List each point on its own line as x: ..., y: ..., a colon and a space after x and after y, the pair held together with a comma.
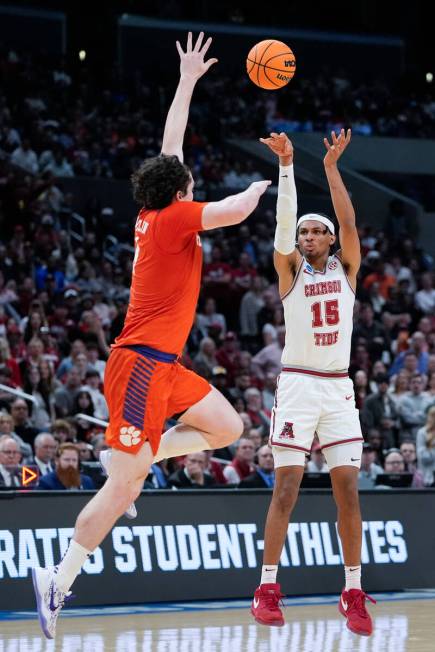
x: 343, y: 441
x: 319, y: 374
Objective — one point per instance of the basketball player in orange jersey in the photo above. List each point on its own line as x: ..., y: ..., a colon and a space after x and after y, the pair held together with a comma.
x: 314, y: 392
x: 144, y: 382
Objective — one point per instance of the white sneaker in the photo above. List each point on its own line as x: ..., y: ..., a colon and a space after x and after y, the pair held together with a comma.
x: 49, y: 599
x: 105, y: 457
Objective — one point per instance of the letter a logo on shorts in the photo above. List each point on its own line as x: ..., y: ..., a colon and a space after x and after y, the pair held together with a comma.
x: 287, y: 431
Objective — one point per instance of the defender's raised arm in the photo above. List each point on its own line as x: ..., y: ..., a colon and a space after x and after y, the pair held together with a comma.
x: 192, y: 67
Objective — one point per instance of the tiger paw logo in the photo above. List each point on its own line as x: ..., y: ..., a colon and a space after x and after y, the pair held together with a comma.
x: 129, y: 436
x: 287, y: 431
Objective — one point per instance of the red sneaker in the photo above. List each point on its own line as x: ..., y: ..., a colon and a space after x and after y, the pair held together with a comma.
x: 266, y: 603
x: 352, y: 606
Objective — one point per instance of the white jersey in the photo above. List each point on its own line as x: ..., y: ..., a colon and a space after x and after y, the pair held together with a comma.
x: 318, y: 313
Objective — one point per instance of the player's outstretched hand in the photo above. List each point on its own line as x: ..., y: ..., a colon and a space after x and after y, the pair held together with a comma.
x: 336, y: 149
x: 280, y: 144
x: 260, y: 187
x: 192, y: 62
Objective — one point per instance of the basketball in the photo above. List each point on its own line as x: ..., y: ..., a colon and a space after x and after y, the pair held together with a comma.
x: 271, y: 64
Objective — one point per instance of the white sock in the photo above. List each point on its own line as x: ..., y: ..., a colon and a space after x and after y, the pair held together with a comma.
x: 268, y: 574
x: 353, y: 577
x: 71, y: 564
x: 181, y: 440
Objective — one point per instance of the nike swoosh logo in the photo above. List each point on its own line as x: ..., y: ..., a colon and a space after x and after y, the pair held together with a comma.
x: 256, y: 602
x: 354, y: 459
x: 349, y: 397
x: 284, y: 176
x: 353, y: 569
x: 344, y: 604
x: 53, y: 606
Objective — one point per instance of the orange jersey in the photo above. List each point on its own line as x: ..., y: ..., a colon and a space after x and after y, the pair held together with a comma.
x: 165, y: 279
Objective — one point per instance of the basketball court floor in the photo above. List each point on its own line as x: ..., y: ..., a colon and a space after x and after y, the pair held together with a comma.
x: 403, y: 622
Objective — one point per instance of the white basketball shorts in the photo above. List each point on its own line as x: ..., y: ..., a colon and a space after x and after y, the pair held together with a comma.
x: 308, y: 401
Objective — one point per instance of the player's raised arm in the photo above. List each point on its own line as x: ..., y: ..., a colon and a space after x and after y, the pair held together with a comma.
x: 192, y: 67
x: 286, y: 256
x: 349, y: 240
x: 233, y: 209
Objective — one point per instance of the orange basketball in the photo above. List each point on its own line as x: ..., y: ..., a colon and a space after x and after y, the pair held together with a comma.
x: 271, y: 64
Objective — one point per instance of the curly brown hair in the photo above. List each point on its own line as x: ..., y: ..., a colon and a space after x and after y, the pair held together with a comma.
x: 158, y: 180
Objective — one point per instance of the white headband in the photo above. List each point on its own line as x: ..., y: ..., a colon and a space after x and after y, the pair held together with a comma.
x: 318, y: 218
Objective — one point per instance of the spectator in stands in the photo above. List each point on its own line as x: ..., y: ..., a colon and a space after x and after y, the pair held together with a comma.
x: 78, y: 346
x: 62, y: 431
x: 374, y: 438
x: 361, y: 388
x: 409, y: 454
x: 34, y: 357
x: 219, y: 379
x: 67, y: 474
x: 379, y: 276
x: 42, y: 410
x: 243, y: 462
x: 7, y: 428
x: 25, y: 157
x: 229, y: 354
x: 45, y: 447
x: 380, y: 412
x: 369, y: 470
x: 317, y: 463
x: 64, y: 397
x: 22, y: 425
x: 5, y: 379
x: 92, y: 385
x: 425, y: 298
x: 10, y: 457
x: 269, y: 358
x: 268, y: 393
x: 394, y: 462
x: 193, y: 474
x: 254, y: 407
x: 371, y: 330
x: 217, y: 277
x: 418, y: 347
x: 242, y: 275
x: 251, y: 304
x: 10, y: 362
x: 83, y: 404
x: 205, y: 360
x: 211, y: 322
x: 213, y: 467
x: 266, y: 313
x: 264, y: 475
x: 86, y: 451
x: 400, y: 385
x: 430, y: 389
x: 426, y: 448
x: 95, y: 363
x: 413, y: 408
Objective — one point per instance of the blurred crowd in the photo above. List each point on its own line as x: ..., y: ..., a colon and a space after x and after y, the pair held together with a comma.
x: 70, y: 122
x: 63, y: 299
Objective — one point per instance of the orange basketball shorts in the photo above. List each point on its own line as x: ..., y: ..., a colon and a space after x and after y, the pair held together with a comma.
x: 143, y: 387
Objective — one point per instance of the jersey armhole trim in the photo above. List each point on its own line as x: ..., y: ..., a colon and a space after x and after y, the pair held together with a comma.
x: 294, y: 280
x: 345, y: 273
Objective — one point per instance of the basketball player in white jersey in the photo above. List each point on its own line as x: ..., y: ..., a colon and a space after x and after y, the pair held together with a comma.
x: 314, y: 393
